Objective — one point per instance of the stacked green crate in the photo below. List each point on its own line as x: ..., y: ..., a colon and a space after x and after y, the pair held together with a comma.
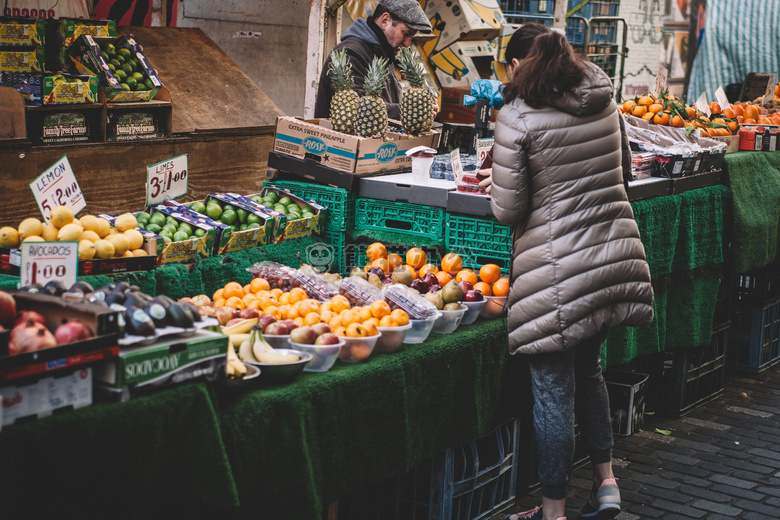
x: 479, y: 241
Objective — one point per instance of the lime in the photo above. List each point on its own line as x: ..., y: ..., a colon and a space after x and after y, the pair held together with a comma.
x: 170, y: 227
x: 253, y: 219
x: 105, y: 55
x: 124, y: 52
x: 242, y: 227
x: 217, y: 202
x: 125, y: 87
x: 120, y: 74
x: 110, y: 49
x: 285, y: 200
x: 148, y: 83
x: 167, y: 240
x: 143, y: 215
x: 257, y: 198
x: 138, y: 76
x: 214, y: 210
x: 280, y: 208
x: 157, y: 219
x: 185, y: 227
x: 170, y: 220
x: 115, y: 62
x: 139, y: 86
x: 180, y: 236
x: 131, y: 82
x: 134, y: 64
x: 199, y: 232
x: 198, y: 206
x: 165, y: 233
x: 127, y: 68
x: 229, y: 216
x: 253, y: 226
x: 242, y: 214
x: 154, y: 228
x: 271, y: 195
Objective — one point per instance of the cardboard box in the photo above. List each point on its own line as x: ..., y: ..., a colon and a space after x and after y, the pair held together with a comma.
x: 463, y: 63
x: 52, y: 89
x: 504, y: 35
x: 188, y: 250
x: 405, y: 187
x: 627, y: 394
x: 454, y: 111
x: 464, y: 20
x: 500, y: 72
x: 22, y: 32
x: 22, y: 59
x: 167, y: 362
x: 59, y: 124
x: 462, y: 136
x: 45, y: 396
x: 302, y: 227
x: 69, y: 29
x: 316, y: 140
x: 87, y: 57
x: 151, y: 119
x: 731, y: 140
x: 248, y: 238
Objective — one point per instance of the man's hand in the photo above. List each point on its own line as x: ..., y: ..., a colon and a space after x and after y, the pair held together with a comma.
x: 487, y: 182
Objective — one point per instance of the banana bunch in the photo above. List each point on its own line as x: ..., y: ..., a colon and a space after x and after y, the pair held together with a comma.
x: 234, y: 367
x: 242, y: 327
x: 255, y: 349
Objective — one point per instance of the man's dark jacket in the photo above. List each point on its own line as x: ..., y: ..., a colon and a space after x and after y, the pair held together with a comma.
x: 363, y: 40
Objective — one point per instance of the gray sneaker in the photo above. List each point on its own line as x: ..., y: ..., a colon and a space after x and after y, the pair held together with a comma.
x: 604, y: 504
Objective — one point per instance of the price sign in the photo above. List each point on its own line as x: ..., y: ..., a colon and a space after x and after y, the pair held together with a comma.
x: 702, y: 105
x: 43, y: 262
x: 769, y: 94
x: 166, y: 180
x: 660, y: 80
x: 484, y: 146
x: 720, y: 97
x: 457, y: 166
x: 57, y: 186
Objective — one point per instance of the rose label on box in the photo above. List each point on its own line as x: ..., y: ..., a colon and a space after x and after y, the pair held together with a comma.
x: 57, y: 186
x: 166, y: 180
x: 43, y: 262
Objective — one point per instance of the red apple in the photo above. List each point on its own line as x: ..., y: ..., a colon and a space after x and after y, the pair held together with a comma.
x: 26, y: 316
x: 207, y: 311
x: 7, y: 309
x: 276, y: 328
x: 327, y: 339
x: 430, y: 279
x: 474, y: 296
x: 265, y: 320
x: 201, y: 300
x: 303, y: 334
x: 224, y: 315
x: 233, y: 321
x: 466, y: 286
x: 248, y: 313
x: 187, y: 299
x: 320, y: 328
x: 290, y: 324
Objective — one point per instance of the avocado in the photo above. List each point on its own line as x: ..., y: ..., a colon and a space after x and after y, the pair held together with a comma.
x: 179, y: 317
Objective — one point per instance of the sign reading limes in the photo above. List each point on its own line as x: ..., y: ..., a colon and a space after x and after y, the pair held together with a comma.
x: 57, y: 186
x: 166, y: 180
x: 43, y: 262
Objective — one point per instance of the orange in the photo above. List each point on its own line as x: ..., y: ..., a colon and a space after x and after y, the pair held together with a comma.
x: 714, y: 108
x: 400, y: 316
x: 484, y: 288
x: 751, y: 112
x: 325, y: 306
x: 370, y: 326
x: 356, y: 330
x: 728, y: 113
x: 284, y: 298
x: 233, y: 289
x: 380, y: 309
x: 489, y: 273
x: 295, y: 309
x: 381, y: 263
x: 365, y: 313
x: 335, y: 323
x: 763, y: 120
x: 411, y: 270
x: 648, y: 117
x: 738, y: 110
x: 691, y: 111
x: 367, y: 267
x: 219, y: 303
x: 339, y: 331
x: 416, y: 257
x: 388, y: 321
x: 299, y: 321
x: 639, y: 110
x: 375, y: 251
x: 326, y: 316
x: 218, y: 294
x: 359, y: 352
x: 249, y: 298
x: 284, y: 310
x: 339, y: 303
x: 254, y: 304
x: 655, y: 107
x: 661, y: 118
x: 247, y: 289
x: 749, y: 121
x: 276, y: 292
x: 235, y: 302
x: 349, y: 317
x: 451, y: 263
x: 733, y: 126
x: 442, y: 277
x: 259, y: 284
x: 427, y: 268
x: 312, y: 318
x: 297, y: 295
x: 628, y: 105
x: 394, y: 260
x: 501, y: 287
x: 645, y: 100
x: 466, y: 275
x: 274, y: 311
x: 676, y: 121
x: 308, y: 305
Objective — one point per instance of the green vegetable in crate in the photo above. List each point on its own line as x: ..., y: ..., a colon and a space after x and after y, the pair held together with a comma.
x: 417, y: 103
x: 371, y: 118
x: 343, y: 105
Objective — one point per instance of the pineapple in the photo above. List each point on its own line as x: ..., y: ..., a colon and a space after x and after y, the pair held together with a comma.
x: 417, y: 102
x: 371, y: 120
x: 344, y: 103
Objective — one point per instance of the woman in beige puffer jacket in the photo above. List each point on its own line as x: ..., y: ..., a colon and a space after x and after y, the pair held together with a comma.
x: 578, y: 264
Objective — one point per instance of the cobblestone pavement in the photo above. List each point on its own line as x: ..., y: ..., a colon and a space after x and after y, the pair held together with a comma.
x: 721, y: 460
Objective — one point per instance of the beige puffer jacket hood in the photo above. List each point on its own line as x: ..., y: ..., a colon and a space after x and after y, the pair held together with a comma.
x: 578, y: 263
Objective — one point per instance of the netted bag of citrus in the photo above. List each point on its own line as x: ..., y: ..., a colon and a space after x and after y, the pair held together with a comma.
x: 284, y: 205
x: 126, y: 68
x: 166, y: 226
x: 237, y: 218
x: 96, y: 237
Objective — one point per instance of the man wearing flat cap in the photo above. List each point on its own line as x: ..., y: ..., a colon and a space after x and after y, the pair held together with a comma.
x: 391, y: 27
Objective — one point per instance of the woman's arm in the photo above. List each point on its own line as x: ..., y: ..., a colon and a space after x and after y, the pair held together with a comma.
x: 510, y: 196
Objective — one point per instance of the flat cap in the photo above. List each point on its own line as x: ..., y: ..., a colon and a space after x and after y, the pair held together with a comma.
x: 410, y: 13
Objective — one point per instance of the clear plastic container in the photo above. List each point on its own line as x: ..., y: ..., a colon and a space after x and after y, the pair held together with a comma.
x: 359, y: 291
x: 449, y: 321
x: 420, y: 329
x: 400, y: 296
x: 392, y: 338
x: 356, y: 350
x: 277, y: 275
x: 472, y: 311
x: 315, y: 285
x: 495, y: 307
x: 323, y: 356
x: 278, y: 340
x: 442, y: 168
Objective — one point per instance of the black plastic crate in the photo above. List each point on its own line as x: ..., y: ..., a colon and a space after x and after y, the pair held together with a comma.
x: 682, y: 379
x: 758, y: 287
x: 724, y: 306
x: 754, y: 338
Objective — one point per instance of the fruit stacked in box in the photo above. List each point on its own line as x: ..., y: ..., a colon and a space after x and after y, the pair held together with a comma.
x: 52, y: 89
x: 22, y: 45
x: 121, y: 67
x: 185, y: 235
x: 61, y: 34
x: 304, y: 217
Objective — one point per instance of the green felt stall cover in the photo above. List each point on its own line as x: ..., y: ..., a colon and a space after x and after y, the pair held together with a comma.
x: 295, y: 449
x: 755, y: 185
x: 158, y: 456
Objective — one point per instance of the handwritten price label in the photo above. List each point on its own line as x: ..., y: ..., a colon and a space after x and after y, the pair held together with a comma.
x: 457, y: 166
x: 166, y: 180
x: 43, y: 262
x: 57, y: 186
x: 660, y: 80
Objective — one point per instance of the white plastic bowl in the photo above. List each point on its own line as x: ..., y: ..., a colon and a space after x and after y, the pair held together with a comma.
x: 323, y: 356
x: 355, y: 350
x: 449, y: 320
x: 391, y: 338
x: 472, y: 311
x: 495, y: 307
x: 420, y: 329
x: 278, y: 341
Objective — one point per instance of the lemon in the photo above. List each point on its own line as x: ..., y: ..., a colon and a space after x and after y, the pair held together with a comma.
x: 61, y: 216
x: 34, y: 238
x: 30, y: 227
x: 125, y: 221
x: 70, y: 233
x: 50, y: 233
x: 121, y: 243
x: 140, y: 252
x: 9, y: 237
x: 90, y: 235
x: 113, y: 231
x: 135, y: 237
x: 86, y: 250
x: 128, y: 254
x: 104, y: 227
x: 104, y: 249
x: 90, y: 223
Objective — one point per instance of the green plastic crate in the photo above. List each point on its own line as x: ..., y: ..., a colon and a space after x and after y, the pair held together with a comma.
x: 336, y: 263
x: 400, y: 217
x: 479, y: 241
x: 340, y: 202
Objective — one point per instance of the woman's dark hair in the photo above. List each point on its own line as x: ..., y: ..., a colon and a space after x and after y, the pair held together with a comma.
x: 549, y: 67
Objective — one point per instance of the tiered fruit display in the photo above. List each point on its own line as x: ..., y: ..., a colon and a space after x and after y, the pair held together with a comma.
x: 237, y: 218
x: 166, y: 226
x: 96, y: 237
x: 125, y: 68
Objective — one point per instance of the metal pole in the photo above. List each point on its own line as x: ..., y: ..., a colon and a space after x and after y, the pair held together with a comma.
x: 559, y: 15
